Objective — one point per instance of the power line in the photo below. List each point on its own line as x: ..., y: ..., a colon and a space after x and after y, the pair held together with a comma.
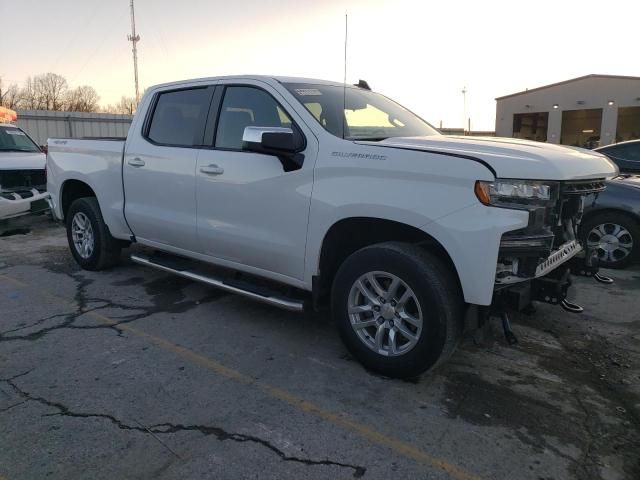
x: 86, y: 23
x: 90, y: 58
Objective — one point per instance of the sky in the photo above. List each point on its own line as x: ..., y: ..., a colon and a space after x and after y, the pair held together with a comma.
x: 418, y: 52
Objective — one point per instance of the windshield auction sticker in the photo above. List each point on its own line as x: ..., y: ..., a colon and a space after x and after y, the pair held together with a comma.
x: 308, y: 92
x: 14, y: 132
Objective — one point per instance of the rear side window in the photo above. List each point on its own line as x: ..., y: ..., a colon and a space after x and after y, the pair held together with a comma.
x: 243, y: 107
x: 178, y: 117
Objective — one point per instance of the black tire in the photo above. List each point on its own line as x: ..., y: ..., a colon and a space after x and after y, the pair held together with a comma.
x: 608, y: 219
x: 435, y: 287
x: 106, y: 249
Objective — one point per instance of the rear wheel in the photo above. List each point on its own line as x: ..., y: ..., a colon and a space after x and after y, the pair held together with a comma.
x: 91, y: 244
x: 615, y: 236
x: 398, y: 309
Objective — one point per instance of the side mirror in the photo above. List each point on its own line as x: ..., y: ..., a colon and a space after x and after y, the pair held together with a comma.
x: 44, y: 149
x: 285, y: 143
x: 272, y: 140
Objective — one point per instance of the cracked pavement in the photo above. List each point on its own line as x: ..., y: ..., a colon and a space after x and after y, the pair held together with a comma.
x: 132, y: 373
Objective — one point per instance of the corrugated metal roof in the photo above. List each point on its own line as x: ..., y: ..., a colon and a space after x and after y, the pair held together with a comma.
x: 592, y: 75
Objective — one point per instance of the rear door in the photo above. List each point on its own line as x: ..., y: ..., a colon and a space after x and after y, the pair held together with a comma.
x: 251, y: 211
x: 160, y: 165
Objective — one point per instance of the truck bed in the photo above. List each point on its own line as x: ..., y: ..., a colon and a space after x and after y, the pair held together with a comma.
x: 98, y: 162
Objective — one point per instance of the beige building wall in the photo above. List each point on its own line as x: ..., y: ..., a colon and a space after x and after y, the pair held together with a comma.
x: 590, y: 92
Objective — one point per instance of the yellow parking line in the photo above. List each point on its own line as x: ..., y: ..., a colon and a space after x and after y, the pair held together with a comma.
x: 343, y: 421
x: 13, y: 281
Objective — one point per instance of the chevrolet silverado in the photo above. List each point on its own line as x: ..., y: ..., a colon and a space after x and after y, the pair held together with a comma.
x: 302, y: 193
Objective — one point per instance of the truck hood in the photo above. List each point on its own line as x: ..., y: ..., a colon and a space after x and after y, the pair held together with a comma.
x: 22, y: 161
x: 515, y: 158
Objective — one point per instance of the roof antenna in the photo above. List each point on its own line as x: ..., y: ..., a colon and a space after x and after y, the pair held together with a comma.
x: 344, y: 83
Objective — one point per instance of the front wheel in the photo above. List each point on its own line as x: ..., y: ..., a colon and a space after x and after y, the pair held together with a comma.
x: 398, y: 309
x: 91, y: 244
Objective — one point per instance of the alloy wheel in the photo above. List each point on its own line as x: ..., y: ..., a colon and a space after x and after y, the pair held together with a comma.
x: 385, y: 313
x: 82, y: 234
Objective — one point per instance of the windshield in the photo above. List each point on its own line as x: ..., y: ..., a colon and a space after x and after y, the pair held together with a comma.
x: 363, y: 115
x: 12, y: 139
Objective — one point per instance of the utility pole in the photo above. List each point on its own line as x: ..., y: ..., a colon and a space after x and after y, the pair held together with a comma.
x: 134, y: 39
x: 464, y: 101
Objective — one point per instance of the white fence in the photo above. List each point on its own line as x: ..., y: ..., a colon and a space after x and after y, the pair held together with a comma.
x: 43, y: 124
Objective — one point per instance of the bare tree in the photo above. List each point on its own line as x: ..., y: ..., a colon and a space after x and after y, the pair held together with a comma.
x: 30, y: 95
x: 126, y: 105
x: 50, y: 91
x: 81, y: 99
x: 9, y: 96
x: 53, y: 88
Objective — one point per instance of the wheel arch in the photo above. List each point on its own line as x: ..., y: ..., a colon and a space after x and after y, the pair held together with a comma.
x: 70, y: 191
x: 350, y: 234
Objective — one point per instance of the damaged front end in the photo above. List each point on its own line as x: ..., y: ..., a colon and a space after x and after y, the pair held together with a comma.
x: 23, y: 175
x: 535, y: 263
x: 22, y: 192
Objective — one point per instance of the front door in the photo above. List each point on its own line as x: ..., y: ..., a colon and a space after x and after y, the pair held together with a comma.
x: 159, y: 169
x: 250, y: 211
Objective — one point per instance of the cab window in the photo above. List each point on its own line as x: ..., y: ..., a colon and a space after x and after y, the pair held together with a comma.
x: 243, y: 107
x: 178, y: 117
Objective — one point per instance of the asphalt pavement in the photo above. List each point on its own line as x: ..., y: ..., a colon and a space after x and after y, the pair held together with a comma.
x: 134, y: 373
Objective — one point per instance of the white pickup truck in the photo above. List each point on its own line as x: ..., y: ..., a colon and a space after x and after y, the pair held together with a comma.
x: 301, y: 192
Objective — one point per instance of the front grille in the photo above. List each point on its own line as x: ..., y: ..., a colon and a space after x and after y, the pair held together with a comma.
x: 584, y: 187
x: 22, y: 179
x: 558, y: 222
x: 565, y: 216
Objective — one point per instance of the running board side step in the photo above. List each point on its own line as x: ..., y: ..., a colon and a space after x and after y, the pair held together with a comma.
x: 254, y: 293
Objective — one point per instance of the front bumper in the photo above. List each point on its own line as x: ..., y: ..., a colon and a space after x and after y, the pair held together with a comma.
x: 557, y: 257
x: 16, y: 204
x: 536, y: 263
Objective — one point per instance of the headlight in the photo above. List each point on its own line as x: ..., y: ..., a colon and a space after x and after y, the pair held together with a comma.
x: 505, y: 191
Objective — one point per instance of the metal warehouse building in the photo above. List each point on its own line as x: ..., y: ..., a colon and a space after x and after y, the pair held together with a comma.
x: 586, y: 112
x: 42, y: 124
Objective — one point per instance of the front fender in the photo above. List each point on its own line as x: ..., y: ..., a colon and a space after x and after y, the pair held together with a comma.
x: 419, y: 189
x: 471, y: 236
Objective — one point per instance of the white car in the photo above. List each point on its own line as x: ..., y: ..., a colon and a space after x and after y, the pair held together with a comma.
x: 22, y: 173
x: 309, y: 192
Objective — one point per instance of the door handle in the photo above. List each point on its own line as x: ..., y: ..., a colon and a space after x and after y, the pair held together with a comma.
x: 136, y: 162
x: 212, y: 169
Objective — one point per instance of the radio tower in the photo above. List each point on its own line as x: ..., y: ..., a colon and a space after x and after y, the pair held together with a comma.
x: 134, y: 39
